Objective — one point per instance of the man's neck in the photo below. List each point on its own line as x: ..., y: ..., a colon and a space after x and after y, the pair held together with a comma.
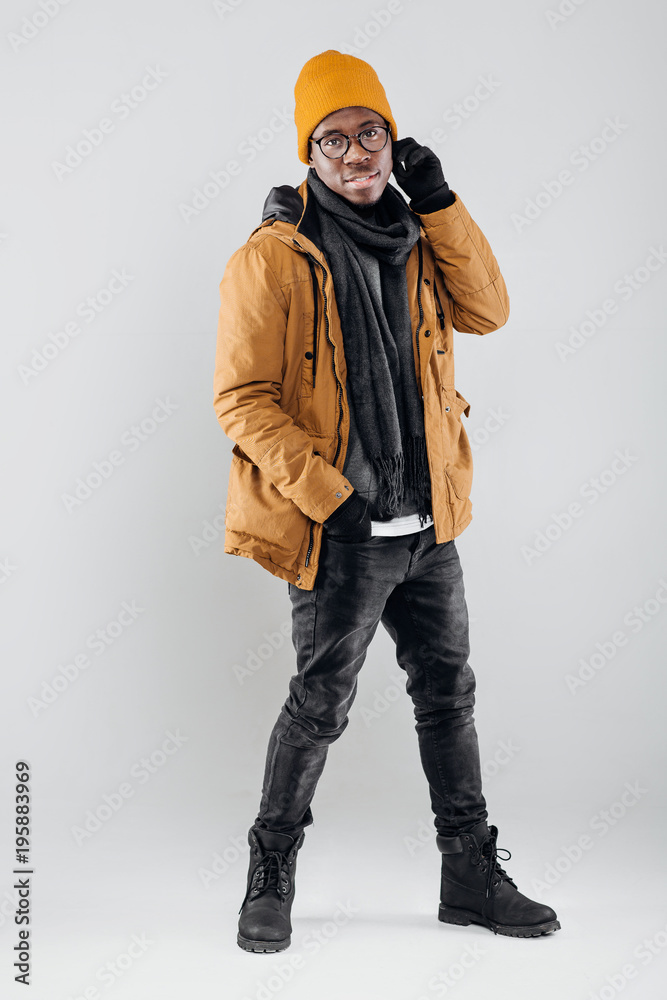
x: 364, y: 211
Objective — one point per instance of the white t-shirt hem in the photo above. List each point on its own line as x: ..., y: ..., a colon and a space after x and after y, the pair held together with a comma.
x: 400, y: 525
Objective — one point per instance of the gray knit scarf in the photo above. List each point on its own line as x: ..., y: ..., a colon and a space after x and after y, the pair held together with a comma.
x: 367, y: 260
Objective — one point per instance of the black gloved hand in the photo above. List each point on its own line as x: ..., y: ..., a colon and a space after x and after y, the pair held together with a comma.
x: 351, y: 522
x: 418, y: 172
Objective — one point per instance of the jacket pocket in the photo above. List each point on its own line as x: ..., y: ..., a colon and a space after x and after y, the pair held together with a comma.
x: 258, y: 519
x: 308, y: 362
x: 458, y: 454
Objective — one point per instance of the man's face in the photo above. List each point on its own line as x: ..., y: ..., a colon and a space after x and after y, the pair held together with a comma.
x: 358, y: 162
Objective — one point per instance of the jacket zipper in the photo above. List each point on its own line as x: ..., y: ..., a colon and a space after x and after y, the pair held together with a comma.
x: 419, y: 300
x: 310, y: 545
x: 315, y: 319
x: 439, y: 309
x: 333, y: 365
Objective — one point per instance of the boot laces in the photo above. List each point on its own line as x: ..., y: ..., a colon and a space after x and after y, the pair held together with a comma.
x: 272, y: 872
x: 486, y: 854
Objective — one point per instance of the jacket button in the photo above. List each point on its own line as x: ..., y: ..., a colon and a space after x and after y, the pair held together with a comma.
x: 339, y: 494
x: 309, y: 354
x: 446, y: 407
x: 426, y: 281
x: 298, y: 576
x: 427, y: 333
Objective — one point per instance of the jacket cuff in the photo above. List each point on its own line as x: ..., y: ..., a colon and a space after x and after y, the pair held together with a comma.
x: 442, y: 198
x: 332, y: 502
x: 351, y: 511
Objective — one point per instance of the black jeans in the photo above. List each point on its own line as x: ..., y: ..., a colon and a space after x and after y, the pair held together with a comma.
x: 414, y: 586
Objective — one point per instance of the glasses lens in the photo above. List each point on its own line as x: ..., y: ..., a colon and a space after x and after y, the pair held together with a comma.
x: 334, y: 145
x: 372, y: 139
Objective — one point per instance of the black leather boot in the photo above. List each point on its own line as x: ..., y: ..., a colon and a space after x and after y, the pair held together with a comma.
x: 264, y: 924
x: 475, y: 889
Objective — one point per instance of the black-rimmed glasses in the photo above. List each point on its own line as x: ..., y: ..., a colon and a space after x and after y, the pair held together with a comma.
x: 336, y: 144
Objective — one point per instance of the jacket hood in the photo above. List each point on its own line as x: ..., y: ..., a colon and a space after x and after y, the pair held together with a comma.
x: 283, y: 202
x: 291, y: 204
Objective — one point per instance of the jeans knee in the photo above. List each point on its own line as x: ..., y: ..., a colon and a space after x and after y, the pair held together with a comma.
x: 311, y: 733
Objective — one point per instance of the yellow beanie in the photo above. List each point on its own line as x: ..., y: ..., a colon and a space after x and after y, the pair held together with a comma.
x: 329, y: 82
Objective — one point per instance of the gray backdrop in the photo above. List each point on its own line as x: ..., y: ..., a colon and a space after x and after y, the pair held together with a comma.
x: 143, y: 668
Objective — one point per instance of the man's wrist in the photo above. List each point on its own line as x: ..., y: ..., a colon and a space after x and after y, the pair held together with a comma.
x: 442, y: 198
x: 346, y: 510
x: 351, y: 519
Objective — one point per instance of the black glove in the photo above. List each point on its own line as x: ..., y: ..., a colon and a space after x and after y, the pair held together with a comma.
x: 351, y: 522
x: 418, y: 172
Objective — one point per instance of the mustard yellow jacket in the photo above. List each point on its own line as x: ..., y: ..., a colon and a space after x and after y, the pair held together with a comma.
x: 280, y: 375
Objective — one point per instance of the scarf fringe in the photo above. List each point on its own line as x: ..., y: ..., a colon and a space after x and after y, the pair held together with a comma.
x: 389, y: 470
x: 399, y: 478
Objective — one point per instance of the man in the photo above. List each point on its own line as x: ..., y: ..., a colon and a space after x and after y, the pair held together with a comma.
x: 351, y: 472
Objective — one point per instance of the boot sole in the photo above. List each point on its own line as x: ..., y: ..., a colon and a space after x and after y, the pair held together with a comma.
x: 248, y: 944
x: 451, y: 915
